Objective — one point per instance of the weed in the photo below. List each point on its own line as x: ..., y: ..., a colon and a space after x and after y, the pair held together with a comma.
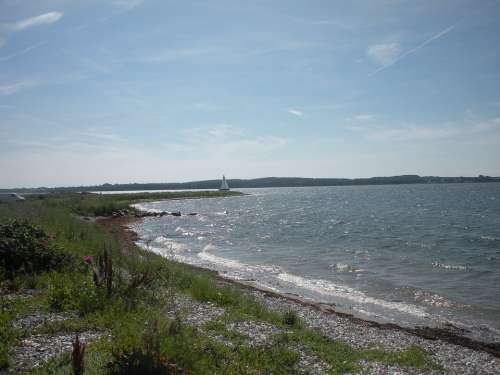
x: 77, y: 356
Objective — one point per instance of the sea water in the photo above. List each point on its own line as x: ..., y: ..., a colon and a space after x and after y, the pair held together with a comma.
x: 407, y: 254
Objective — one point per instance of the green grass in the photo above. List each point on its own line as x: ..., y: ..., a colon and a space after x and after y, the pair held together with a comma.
x: 127, y: 314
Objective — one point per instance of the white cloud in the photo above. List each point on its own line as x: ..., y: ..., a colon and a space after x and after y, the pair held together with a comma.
x: 413, y: 50
x: 12, y: 88
x: 364, y: 117
x: 295, y: 112
x: 424, y: 133
x: 383, y: 54
x: 225, y: 140
x: 127, y: 4
x: 42, y: 19
x: 414, y: 133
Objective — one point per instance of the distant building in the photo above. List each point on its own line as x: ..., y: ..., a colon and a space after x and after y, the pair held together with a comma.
x: 10, y: 197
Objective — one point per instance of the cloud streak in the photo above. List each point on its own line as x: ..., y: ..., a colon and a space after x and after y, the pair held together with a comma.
x: 12, y: 88
x: 425, y: 133
x: 21, y: 52
x: 295, y: 112
x: 127, y: 4
x: 384, y: 53
x: 413, y: 50
x: 42, y: 19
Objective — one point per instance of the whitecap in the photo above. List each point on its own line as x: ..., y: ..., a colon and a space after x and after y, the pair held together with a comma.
x: 341, y: 291
x: 234, y: 264
x: 144, y: 208
x: 452, y: 267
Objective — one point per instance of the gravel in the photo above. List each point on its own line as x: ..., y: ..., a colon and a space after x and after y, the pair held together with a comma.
x: 454, y: 359
x: 38, y: 349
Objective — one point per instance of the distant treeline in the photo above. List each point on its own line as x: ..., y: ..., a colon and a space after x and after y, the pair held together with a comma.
x: 265, y: 182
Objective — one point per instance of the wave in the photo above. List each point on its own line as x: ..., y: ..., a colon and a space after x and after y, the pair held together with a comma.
x: 341, y: 291
x: 183, y: 232
x: 166, y: 245
x: 239, y: 270
x: 143, y: 208
x: 234, y: 264
x: 452, y: 267
x: 490, y: 238
x: 432, y: 299
x: 342, y: 267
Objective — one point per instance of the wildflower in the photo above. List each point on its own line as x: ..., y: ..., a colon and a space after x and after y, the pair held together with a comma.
x: 88, y: 259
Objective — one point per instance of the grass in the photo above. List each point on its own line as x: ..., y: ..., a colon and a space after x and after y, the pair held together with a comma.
x: 129, y: 313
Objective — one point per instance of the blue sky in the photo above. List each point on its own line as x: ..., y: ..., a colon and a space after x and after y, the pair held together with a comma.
x: 95, y: 91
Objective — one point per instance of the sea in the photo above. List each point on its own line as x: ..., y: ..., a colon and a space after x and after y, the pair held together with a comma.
x: 413, y: 255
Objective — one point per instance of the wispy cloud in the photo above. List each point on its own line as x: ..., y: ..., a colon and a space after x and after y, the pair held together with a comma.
x: 414, y: 133
x: 22, y: 52
x: 424, y: 132
x: 42, y: 19
x: 364, y: 117
x: 172, y: 55
x: 405, y: 54
x: 127, y: 4
x: 385, y: 53
x: 295, y: 112
x: 225, y: 141
x: 11, y: 88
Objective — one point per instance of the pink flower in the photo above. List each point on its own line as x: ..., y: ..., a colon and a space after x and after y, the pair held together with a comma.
x: 88, y: 259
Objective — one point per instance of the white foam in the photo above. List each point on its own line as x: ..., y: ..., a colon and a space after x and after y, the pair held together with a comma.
x: 490, y: 238
x: 453, y: 267
x: 166, y: 245
x: 341, y: 291
x: 141, y: 207
x: 234, y: 264
x: 342, y: 267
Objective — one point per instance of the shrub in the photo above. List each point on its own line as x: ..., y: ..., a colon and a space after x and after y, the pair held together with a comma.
x: 27, y: 249
x: 74, y: 292
x: 290, y: 318
x: 145, y: 358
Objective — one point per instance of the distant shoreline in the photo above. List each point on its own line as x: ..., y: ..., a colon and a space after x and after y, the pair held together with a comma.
x: 266, y: 182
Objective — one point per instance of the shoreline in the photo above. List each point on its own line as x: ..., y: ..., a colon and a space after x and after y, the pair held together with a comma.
x: 119, y: 226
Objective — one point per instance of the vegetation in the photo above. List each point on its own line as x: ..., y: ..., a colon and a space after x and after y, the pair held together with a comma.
x: 123, y: 291
x: 26, y: 249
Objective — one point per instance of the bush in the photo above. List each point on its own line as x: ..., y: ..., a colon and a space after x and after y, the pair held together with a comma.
x: 75, y: 292
x: 27, y: 249
x: 290, y: 318
x: 145, y: 358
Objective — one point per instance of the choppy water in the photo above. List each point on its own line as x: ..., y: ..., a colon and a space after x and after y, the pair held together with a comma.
x: 410, y: 254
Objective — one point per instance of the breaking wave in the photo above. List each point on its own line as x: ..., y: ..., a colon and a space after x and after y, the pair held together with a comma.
x: 341, y: 291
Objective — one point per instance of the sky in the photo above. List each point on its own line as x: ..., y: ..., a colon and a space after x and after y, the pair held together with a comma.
x: 117, y: 91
